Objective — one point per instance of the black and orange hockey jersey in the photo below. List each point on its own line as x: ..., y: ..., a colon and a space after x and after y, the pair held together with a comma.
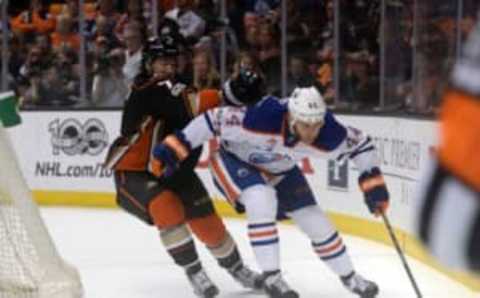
x: 151, y: 112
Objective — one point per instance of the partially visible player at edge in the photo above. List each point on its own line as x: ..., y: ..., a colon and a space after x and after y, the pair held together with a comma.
x: 256, y: 169
x: 449, y: 218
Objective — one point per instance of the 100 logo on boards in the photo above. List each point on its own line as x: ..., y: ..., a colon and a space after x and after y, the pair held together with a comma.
x: 72, y: 137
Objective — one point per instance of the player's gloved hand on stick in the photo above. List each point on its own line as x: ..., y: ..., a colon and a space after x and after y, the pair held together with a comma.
x: 169, y: 154
x: 375, y: 191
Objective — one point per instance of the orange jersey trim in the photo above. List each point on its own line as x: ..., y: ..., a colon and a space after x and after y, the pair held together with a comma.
x: 460, y: 137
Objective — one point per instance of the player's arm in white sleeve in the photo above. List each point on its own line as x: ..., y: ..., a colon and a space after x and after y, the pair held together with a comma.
x: 201, y: 129
x: 176, y: 147
x: 359, y: 147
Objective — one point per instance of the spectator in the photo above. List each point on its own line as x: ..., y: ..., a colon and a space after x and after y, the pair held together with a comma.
x: 51, y: 89
x: 235, y: 14
x: 360, y: 87
x: 251, y: 32
x: 102, y: 29
x: 359, y: 26
x: 298, y: 31
x: 71, y: 10
x: 166, y: 5
x: 206, y: 10
x: 269, y: 55
x: 64, y: 36
x: 261, y: 7
x: 134, y: 13
x: 217, y: 32
x: 106, y: 9
x: 134, y: 42
x: 298, y: 74
x: 34, y: 64
x: 66, y: 62
x: 324, y: 71
x: 398, y: 64
x: 109, y: 86
x: 32, y: 21
x: 247, y: 61
x: 12, y: 76
x: 17, y: 55
x: 42, y: 41
x: 89, y: 9
x: 184, y: 65
x: 327, y: 24
x: 192, y: 26
x: 204, y: 73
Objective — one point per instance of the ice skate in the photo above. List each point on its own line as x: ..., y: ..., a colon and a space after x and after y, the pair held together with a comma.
x: 202, y: 285
x: 277, y: 287
x: 247, y: 277
x: 360, y: 286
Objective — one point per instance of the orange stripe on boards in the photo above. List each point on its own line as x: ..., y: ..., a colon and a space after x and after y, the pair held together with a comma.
x: 262, y: 234
x: 233, y: 195
x: 330, y: 248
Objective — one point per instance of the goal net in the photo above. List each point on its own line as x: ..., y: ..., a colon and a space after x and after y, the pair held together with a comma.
x: 30, y: 266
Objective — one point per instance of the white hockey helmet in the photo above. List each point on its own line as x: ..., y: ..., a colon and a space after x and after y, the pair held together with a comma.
x: 306, y: 105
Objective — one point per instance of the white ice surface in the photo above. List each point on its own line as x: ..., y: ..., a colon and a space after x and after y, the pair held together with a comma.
x: 119, y: 257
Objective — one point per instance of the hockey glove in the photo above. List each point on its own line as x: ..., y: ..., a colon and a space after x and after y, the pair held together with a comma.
x: 375, y: 191
x: 169, y: 154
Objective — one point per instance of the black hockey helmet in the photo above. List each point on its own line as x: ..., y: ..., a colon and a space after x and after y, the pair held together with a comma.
x: 244, y: 89
x: 163, y: 46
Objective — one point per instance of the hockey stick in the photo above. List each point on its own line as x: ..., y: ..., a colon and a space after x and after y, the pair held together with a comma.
x: 400, y: 253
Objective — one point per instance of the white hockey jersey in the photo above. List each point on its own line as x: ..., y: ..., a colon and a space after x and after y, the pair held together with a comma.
x: 259, y: 135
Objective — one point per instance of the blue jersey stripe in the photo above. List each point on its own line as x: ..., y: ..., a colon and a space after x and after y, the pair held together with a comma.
x: 358, y: 152
x: 328, y: 241
x: 264, y: 242
x: 261, y: 225
x: 336, y: 255
x: 209, y: 123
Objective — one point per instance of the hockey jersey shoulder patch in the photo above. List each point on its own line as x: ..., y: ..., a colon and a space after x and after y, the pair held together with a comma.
x: 266, y: 116
x: 331, y: 135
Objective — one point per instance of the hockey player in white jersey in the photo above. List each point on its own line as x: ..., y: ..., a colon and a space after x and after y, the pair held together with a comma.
x: 256, y: 169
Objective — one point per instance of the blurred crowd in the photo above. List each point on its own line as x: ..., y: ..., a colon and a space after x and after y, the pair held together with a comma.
x: 392, y: 53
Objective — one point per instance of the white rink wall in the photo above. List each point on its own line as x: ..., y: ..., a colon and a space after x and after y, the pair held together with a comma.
x: 63, y: 151
x: 61, y: 154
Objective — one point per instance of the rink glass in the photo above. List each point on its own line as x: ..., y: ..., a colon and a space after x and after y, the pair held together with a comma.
x: 370, y: 56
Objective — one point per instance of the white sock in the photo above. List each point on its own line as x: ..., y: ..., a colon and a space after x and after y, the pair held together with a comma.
x: 261, y: 209
x: 326, y: 241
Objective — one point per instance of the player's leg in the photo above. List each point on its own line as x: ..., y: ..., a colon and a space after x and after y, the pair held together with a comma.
x: 245, y: 185
x: 209, y: 228
x: 143, y: 196
x: 296, y: 198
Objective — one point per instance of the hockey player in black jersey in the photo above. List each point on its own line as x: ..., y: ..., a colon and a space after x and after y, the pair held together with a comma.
x: 177, y: 205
